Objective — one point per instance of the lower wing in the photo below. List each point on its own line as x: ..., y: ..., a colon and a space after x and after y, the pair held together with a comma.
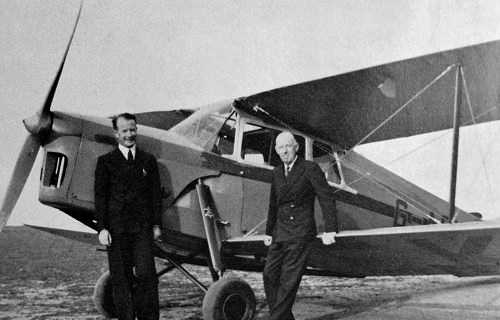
x: 462, y: 249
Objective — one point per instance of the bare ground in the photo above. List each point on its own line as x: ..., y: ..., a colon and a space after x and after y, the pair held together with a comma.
x: 43, y: 276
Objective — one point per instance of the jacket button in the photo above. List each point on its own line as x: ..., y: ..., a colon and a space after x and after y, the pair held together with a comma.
x: 291, y: 218
x: 292, y: 206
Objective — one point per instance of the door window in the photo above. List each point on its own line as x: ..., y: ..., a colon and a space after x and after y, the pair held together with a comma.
x: 258, y: 143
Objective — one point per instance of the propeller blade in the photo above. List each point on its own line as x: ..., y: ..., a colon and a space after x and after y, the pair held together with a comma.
x: 53, y: 87
x: 21, y: 172
x: 39, y: 127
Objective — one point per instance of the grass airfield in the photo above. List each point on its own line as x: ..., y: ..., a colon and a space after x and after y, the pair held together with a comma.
x: 43, y: 276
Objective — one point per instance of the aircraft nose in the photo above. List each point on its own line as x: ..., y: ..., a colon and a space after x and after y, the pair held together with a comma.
x: 31, y: 123
x: 39, y: 124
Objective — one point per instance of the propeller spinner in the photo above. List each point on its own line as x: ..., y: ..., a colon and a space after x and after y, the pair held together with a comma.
x: 39, y: 127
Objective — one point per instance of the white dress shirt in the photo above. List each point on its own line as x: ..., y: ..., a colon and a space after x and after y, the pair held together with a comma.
x: 125, y: 150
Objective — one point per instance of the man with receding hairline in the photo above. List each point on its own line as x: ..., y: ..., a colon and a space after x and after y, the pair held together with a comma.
x: 128, y: 212
x: 291, y: 227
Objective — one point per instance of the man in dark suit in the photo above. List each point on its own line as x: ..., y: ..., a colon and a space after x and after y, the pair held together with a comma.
x: 128, y: 212
x: 291, y: 227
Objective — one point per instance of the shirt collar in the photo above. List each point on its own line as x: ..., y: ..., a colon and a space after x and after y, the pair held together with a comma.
x: 290, y: 166
x: 124, y: 150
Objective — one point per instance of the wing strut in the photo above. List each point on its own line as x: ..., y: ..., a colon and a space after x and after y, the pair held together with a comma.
x: 456, y: 138
x: 430, y: 84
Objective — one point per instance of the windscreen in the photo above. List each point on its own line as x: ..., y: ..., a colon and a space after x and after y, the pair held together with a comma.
x: 203, y: 127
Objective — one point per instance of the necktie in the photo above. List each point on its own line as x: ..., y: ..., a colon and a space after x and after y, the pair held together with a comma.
x: 287, y: 171
x: 130, y: 157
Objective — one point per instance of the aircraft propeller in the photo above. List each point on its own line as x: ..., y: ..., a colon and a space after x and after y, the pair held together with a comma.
x: 39, y: 127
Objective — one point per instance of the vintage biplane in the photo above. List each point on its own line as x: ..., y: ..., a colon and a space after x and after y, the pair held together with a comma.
x: 216, y: 163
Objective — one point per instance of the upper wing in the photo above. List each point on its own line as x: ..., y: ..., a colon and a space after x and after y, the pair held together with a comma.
x: 345, y: 108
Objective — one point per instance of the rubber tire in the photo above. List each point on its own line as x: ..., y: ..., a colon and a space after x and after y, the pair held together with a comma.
x: 229, y: 298
x: 103, y: 296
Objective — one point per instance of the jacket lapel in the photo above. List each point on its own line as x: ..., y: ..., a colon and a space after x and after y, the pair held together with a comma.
x: 297, y: 170
x: 119, y: 158
x: 286, y: 183
x: 141, y: 158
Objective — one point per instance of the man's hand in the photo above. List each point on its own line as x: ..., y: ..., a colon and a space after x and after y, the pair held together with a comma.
x: 105, y: 237
x: 268, y: 240
x: 328, y: 238
x: 156, y: 232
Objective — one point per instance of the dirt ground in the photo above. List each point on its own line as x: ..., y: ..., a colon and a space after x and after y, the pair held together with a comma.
x: 43, y: 276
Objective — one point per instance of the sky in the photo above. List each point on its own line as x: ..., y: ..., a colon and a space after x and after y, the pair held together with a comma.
x: 141, y: 56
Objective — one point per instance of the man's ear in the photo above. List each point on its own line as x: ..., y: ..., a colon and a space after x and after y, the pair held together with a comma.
x: 115, y: 133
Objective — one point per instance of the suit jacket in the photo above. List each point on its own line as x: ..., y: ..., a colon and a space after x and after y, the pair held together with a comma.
x: 127, y: 197
x: 291, y: 203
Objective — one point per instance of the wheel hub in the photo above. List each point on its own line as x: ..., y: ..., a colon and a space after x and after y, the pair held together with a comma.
x: 234, y: 307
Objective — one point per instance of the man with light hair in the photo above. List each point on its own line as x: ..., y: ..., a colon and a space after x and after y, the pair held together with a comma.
x: 291, y: 227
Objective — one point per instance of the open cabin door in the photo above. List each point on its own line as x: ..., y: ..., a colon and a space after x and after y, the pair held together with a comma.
x: 255, y: 147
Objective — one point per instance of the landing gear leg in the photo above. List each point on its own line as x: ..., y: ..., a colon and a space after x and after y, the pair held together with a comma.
x: 215, y: 275
x: 103, y: 290
x: 228, y: 298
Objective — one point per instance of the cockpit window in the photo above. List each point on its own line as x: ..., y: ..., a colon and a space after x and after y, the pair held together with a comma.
x: 224, y: 143
x: 258, y: 145
x: 211, y: 128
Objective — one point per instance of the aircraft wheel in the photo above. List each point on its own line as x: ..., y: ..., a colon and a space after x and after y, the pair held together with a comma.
x: 103, y: 296
x: 229, y: 299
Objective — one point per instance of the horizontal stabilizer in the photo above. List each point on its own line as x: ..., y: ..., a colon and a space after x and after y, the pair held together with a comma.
x: 163, y: 120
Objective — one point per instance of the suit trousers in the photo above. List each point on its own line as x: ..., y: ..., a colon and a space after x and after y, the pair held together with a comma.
x: 285, y: 264
x: 134, y: 293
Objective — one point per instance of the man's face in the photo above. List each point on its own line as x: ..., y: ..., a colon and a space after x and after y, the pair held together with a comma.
x: 126, y: 132
x: 286, y: 148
